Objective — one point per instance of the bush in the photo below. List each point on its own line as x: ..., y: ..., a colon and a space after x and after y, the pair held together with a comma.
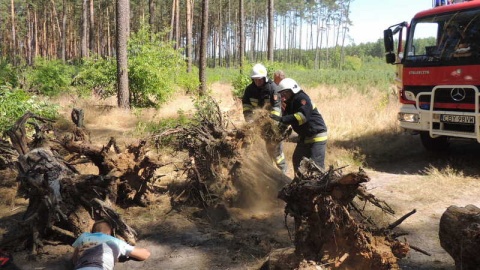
x: 14, y: 103
x: 154, y: 69
x: 352, y: 63
x: 49, y: 77
x: 7, y: 74
x: 97, y: 75
x: 240, y: 83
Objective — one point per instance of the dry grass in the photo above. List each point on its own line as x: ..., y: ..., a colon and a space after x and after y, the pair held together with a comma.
x: 360, y: 125
x: 357, y: 124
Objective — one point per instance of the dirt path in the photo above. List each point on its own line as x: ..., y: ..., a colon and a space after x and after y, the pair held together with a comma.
x: 189, y: 238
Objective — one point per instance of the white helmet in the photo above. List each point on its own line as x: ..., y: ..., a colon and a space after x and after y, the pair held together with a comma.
x: 289, y: 84
x: 258, y: 71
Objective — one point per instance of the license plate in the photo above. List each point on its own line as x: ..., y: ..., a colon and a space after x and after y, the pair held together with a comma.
x: 462, y: 119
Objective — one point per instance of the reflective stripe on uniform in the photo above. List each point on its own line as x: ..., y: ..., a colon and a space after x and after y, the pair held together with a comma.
x: 320, y: 137
x: 279, y: 159
x: 276, y: 113
x: 300, y: 118
x: 254, y: 102
x: 247, y: 107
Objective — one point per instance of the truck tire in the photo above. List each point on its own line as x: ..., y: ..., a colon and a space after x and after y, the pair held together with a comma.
x: 434, y: 144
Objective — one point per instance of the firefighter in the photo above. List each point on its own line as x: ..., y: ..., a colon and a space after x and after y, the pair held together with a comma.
x: 303, y: 116
x: 263, y: 93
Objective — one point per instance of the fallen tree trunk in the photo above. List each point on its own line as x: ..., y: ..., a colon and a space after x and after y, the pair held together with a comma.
x: 460, y: 235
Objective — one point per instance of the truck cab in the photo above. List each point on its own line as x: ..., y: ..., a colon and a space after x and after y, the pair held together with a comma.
x: 438, y: 72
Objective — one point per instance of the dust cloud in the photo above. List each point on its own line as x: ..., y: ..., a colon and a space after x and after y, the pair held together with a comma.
x: 260, y: 180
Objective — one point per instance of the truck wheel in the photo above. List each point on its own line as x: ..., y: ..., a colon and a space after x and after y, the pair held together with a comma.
x: 434, y: 144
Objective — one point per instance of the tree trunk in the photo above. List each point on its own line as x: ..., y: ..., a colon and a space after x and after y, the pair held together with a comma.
x: 14, y: 38
x: 241, y: 34
x: 123, y: 14
x: 91, y: 17
x: 172, y: 20
x: 459, y: 235
x: 64, y: 31
x: 270, y: 31
x: 203, y: 49
x: 151, y: 12
x: 84, y: 42
x: 177, y: 24
x: 189, y: 35
x: 109, y: 35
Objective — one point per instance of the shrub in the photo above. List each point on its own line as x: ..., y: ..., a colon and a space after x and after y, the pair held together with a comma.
x: 49, y: 77
x: 7, y: 74
x: 14, y: 103
x: 97, y: 75
x: 154, y: 69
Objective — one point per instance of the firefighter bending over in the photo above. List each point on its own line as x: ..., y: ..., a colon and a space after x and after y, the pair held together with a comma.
x: 263, y: 93
x: 306, y: 121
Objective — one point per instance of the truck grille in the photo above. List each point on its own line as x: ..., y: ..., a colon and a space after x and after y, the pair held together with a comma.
x: 451, y: 99
x: 451, y: 109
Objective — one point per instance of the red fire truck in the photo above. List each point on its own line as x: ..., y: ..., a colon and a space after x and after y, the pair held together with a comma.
x: 438, y: 72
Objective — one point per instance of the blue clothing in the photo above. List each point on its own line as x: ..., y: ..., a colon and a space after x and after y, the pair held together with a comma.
x: 99, y: 251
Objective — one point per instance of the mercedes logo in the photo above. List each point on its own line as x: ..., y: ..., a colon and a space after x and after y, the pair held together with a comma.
x: 458, y: 94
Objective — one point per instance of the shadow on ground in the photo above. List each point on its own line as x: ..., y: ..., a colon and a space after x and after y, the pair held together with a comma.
x: 402, y: 153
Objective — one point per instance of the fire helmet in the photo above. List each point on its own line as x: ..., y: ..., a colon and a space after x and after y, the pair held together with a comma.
x: 289, y: 84
x: 258, y: 71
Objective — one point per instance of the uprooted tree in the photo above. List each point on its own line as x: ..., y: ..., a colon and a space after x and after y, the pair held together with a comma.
x: 217, y: 156
x: 62, y: 202
x: 331, y: 229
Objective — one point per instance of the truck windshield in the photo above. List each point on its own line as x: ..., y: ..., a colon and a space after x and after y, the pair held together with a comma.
x: 446, y: 39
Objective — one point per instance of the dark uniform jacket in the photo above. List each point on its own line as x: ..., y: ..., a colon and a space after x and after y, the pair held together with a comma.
x: 255, y: 97
x: 305, y: 118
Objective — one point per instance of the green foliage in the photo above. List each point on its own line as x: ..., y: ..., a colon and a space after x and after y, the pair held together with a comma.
x: 49, y: 77
x: 97, y: 75
x: 362, y: 75
x: 8, y: 75
x: 240, y: 83
x: 189, y: 81
x: 154, y: 68
x: 352, y: 63
x: 14, y: 103
x: 150, y: 127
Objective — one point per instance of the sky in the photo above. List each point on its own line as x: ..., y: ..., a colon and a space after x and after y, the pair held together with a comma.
x: 371, y: 17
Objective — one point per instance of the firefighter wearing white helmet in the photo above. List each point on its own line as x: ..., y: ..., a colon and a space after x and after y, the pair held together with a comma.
x: 262, y: 93
x: 258, y: 71
x: 303, y: 116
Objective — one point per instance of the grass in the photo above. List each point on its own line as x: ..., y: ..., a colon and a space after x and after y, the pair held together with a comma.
x: 357, y: 123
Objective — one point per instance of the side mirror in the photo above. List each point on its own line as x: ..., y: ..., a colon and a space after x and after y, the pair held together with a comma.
x: 388, y: 44
x: 388, y: 40
x: 390, y: 58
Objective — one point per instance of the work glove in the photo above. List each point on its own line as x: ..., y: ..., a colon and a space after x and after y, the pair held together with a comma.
x: 276, y: 117
x: 286, y: 130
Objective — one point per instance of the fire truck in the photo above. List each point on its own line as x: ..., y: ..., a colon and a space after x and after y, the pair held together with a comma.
x: 437, y: 56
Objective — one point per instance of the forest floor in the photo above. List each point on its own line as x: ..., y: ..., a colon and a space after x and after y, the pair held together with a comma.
x: 242, y: 237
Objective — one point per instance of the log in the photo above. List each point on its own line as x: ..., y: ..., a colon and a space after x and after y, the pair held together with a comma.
x: 460, y: 235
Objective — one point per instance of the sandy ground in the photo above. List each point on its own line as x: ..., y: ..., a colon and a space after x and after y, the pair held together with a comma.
x: 189, y: 238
